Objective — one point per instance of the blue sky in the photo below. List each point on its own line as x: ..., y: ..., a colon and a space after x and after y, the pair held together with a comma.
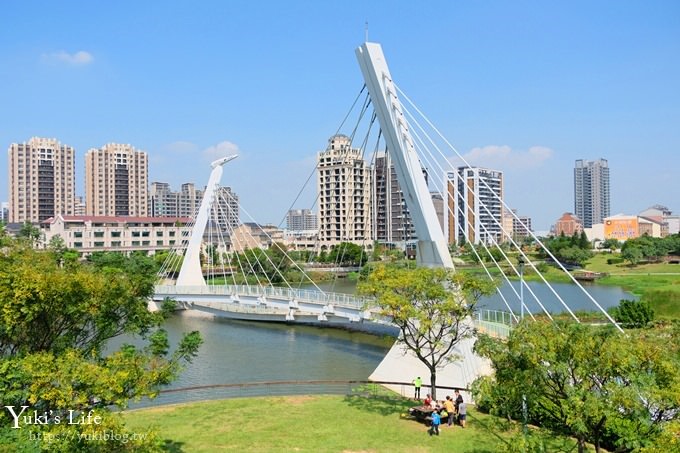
x: 522, y: 87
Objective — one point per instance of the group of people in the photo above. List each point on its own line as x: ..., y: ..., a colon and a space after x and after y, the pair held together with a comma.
x: 447, y: 411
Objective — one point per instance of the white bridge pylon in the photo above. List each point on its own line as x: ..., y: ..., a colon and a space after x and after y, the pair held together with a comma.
x: 190, y: 273
x: 400, y: 364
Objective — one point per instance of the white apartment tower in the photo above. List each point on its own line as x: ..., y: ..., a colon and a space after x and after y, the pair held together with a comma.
x: 474, y: 205
x: 344, y: 189
x: 227, y: 205
x: 591, y: 191
x: 41, y: 180
x: 116, y: 181
x: 301, y: 220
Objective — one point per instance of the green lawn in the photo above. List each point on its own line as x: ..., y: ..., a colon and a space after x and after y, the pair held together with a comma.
x: 316, y: 424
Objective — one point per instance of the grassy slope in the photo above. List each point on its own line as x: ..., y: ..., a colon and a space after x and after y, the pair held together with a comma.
x: 314, y: 424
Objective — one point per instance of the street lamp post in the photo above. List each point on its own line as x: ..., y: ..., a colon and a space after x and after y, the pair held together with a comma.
x: 520, y: 262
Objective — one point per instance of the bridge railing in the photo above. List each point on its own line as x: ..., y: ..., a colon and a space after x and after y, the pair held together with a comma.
x: 301, y: 295
x: 494, y: 322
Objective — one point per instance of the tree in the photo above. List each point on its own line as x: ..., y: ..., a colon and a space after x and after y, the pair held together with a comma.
x: 611, y: 244
x: 347, y: 254
x: 55, y: 323
x: 431, y: 308
x: 589, y: 382
x: 29, y: 232
x: 632, y: 254
x: 633, y: 313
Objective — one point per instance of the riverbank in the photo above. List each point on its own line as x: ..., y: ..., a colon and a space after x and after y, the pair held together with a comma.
x: 317, y: 423
x: 658, y: 283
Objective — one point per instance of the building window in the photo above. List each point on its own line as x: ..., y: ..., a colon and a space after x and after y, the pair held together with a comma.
x: 78, y: 234
x: 77, y: 244
x: 115, y: 243
x: 99, y: 244
x: 115, y: 234
x: 99, y: 234
x: 159, y: 234
x: 172, y: 234
x: 159, y: 242
x: 172, y: 242
x: 135, y: 243
x: 145, y: 234
x: 135, y: 234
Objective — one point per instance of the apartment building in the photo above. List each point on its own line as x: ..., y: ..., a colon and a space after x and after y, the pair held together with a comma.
x: 41, y: 180
x: 391, y: 218
x: 116, y: 181
x: 344, y: 188
x: 591, y: 191
x: 474, y: 205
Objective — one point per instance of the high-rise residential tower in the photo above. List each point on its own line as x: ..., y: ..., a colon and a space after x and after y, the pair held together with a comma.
x: 591, y: 191
x: 166, y: 203
x: 474, y: 205
x: 41, y: 180
x: 301, y: 220
x: 227, y: 205
x: 391, y: 218
x: 116, y: 181
x: 344, y: 189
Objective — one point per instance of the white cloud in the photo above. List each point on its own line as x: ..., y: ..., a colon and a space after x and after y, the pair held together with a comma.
x: 222, y: 149
x: 503, y: 157
x: 80, y: 58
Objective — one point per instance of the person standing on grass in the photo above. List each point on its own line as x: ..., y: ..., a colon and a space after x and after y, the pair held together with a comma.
x: 462, y: 412
x: 417, y: 383
x: 436, y: 420
x: 448, y: 404
x: 459, y: 400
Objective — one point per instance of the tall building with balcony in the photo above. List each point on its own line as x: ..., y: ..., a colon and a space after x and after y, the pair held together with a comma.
x: 391, y: 218
x: 227, y: 214
x: 41, y: 180
x: 189, y: 200
x: 474, y: 205
x: 591, y: 191
x: 298, y: 220
x: 344, y: 188
x: 116, y: 181
x: 162, y: 200
x: 185, y: 203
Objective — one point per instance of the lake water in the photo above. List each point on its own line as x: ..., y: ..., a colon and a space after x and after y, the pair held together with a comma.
x: 242, y: 352
x: 571, y: 294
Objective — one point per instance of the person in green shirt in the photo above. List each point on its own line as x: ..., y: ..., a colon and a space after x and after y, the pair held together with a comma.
x: 417, y: 383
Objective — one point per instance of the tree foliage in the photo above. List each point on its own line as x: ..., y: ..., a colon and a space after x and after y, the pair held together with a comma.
x: 55, y: 324
x: 575, y: 249
x: 593, y: 383
x: 633, y: 313
x: 347, y: 254
x: 431, y: 308
x: 649, y: 248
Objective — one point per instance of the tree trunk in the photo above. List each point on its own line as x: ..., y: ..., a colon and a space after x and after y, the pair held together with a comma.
x: 433, y: 384
x: 581, y: 445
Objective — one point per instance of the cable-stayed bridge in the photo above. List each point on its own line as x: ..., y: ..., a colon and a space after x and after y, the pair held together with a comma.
x: 248, y: 283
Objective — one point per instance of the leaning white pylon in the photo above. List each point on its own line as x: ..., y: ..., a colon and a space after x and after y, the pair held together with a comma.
x: 190, y: 274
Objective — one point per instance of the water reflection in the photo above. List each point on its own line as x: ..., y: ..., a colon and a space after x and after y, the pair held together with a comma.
x: 240, y: 351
